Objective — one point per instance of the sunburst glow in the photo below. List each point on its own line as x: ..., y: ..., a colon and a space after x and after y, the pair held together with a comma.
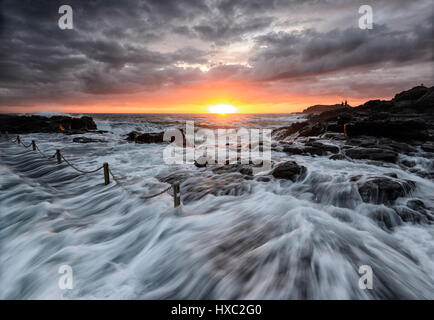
x: 222, y: 108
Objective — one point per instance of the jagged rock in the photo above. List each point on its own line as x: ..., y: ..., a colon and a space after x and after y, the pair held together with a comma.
x: 320, y: 108
x: 412, y: 94
x: 86, y: 140
x: 314, y: 129
x: 289, y: 170
x: 372, y: 154
x: 398, y: 119
x: 40, y: 124
x: 283, y: 132
x: 384, y: 189
x: 426, y: 102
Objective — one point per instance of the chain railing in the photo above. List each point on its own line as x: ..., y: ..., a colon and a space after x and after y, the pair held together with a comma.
x: 107, y: 171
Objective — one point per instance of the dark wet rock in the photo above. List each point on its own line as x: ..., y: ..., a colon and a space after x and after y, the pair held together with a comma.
x: 408, y: 163
x: 407, y: 118
x: 138, y: 137
x: 384, y: 189
x: 398, y: 129
x: 376, y: 105
x: 416, y: 205
x: 321, y: 147
x: 311, y: 148
x: 151, y: 137
x: 292, y: 150
x: 283, y: 132
x: 320, y: 108
x: 419, y: 206
x: 398, y: 146
x: 314, y: 129
x: 424, y: 214
x: 289, y: 170
x: 426, y: 102
x: 263, y: 179
x: 412, y: 94
x: 87, y: 140
x: 385, y: 218
x: 41, y: 124
x: 423, y: 173
x: 412, y: 216
x: 132, y: 136
x: 428, y: 147
x: 236, y: 167
x: 375, y: 154
x: 337, y: 157
x: 356, y: 178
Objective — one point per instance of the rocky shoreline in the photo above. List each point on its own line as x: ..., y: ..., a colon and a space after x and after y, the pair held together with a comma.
x: 377, y: 130
x: 39, y: 124
x: 389, y: 134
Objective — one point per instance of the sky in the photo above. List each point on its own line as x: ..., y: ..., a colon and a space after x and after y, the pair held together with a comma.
x: 181, y: 56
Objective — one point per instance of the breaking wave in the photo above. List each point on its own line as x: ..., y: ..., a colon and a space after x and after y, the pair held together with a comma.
x: 234, y: 237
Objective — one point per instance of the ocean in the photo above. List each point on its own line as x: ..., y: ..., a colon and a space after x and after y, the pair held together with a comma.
x: 232, y: 238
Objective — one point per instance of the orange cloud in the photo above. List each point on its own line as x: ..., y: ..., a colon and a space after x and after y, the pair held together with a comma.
x: 247, y: 97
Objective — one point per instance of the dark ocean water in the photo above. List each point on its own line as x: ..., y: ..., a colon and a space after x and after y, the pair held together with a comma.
x: 233, y: 238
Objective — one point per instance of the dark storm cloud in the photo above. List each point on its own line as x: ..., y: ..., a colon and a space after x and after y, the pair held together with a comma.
x: 102, y: 54
x: 223, y: 31
x: 137, y: 46
x: 309, y: 52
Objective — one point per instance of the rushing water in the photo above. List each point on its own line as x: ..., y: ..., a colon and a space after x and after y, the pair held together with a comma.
x: 233, y: 238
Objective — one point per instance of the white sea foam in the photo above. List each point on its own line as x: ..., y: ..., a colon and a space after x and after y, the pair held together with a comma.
x: 255, y: 240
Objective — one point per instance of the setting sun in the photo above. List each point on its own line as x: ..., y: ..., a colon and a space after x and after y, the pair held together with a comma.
x: 222, y: 108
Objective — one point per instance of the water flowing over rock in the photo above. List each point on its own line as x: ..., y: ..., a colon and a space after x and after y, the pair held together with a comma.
x: 289, y: 170
x: 384, y: 189
x: 87, y: 140
x: 236, y: 235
